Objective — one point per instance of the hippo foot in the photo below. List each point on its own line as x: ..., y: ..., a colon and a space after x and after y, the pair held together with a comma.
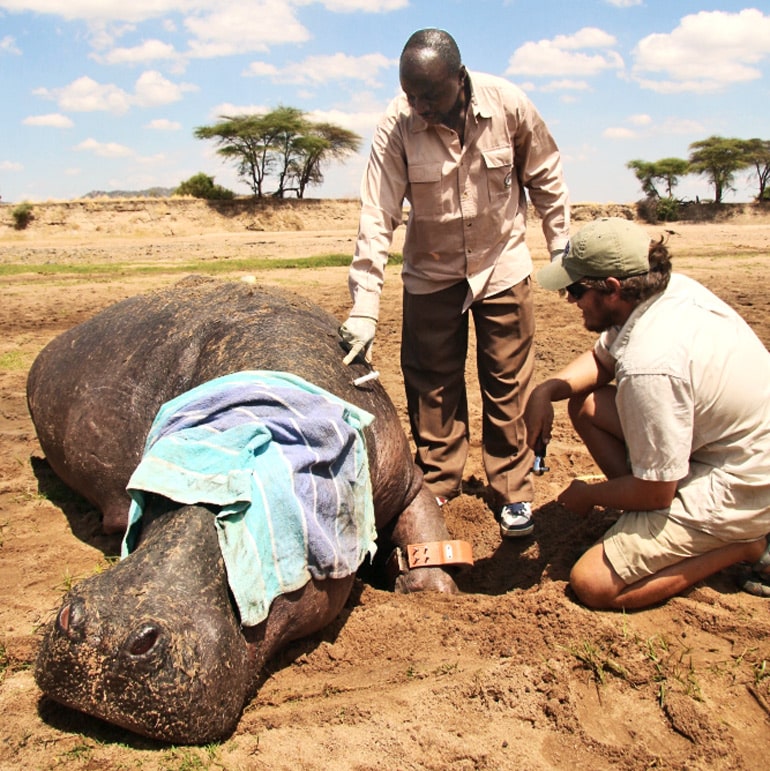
x: 426, y: 580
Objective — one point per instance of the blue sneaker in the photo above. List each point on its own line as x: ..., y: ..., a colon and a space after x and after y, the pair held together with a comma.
x: 516, y: 520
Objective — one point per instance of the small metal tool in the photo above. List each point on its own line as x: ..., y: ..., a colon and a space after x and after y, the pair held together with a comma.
x: 538, y: 467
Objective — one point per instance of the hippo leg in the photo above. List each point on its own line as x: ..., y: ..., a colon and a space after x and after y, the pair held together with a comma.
x: 422, y: 521
x: 295, y: 615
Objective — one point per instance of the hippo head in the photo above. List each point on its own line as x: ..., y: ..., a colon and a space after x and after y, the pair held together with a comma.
x: 153, y: 644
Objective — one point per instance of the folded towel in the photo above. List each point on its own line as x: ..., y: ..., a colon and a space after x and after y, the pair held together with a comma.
x: 285, y: 464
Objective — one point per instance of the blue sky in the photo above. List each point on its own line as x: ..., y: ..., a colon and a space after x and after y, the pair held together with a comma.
x: 100, y: 94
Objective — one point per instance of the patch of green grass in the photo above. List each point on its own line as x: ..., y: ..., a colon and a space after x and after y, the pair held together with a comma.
x: 67, y: 582
x: 597, y: 661
x: 191, y: 758
x: 672, y: 669
x: 14, y: 361
x: 81, y: 751
x: 215, y: 265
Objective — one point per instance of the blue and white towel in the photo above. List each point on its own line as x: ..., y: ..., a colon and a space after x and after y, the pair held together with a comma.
x: 285, y: 460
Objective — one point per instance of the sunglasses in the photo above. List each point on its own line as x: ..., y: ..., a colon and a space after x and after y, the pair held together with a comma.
x: 576, y: 290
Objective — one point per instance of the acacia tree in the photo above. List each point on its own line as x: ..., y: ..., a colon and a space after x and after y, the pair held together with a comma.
x: 757, y: 155
x: 244, y: 139
x: 279, y: 142
x: 667, y: 170
x: 645, y: 173
x: 323, y: 142
x: 287, y: 124
x: 718, y: 158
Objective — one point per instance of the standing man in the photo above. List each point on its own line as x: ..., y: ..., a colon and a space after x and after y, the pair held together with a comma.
x: 462, y: 148
x: 683, y: 434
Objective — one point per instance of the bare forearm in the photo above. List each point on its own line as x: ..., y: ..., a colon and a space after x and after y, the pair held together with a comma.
x: 626, y: 493
x: 581, y: 375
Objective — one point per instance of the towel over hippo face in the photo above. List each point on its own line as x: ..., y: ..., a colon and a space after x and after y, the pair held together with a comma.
x: 157, y: 644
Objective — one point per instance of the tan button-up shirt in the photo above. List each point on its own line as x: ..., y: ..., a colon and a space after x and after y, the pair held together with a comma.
x: 468, y: 209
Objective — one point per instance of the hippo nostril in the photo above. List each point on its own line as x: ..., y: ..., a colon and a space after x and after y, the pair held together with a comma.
x: 143, y: 640
x: 64, y: 618
x: 71, y: 619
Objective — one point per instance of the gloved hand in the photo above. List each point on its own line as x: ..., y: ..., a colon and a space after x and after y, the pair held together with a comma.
x: 357, y: 334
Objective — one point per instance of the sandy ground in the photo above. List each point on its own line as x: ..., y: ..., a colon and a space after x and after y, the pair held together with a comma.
x: 513, y: 674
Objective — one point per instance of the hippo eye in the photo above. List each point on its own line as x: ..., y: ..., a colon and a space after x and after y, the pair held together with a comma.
x: 143, y: 640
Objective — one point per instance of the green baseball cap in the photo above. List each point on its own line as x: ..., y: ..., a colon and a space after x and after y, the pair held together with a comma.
x: 610, y: 246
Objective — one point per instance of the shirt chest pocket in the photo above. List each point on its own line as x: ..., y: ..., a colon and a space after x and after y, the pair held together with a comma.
x: 498, y: 163
x: 426, y: 189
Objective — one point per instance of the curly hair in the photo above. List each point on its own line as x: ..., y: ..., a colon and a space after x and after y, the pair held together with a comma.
x: 636, y: 289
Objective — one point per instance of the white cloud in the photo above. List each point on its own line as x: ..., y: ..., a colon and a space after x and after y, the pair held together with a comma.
x: 369, y: 6
x: 104, y: 149
x: 153, y: 89
x: 566, y: 85
x: 624, y: 3
x: 707, y: 52
x: 10, y: 166
x: 322, y: 69
x: 98, y: 10
x: 260, y: 69
x: 163, y: 124
x: 54, y: 120
x: 150, y: 160
x: 564, y: 55
x: 229, y: 29
x: 363, y: 123
x: 86, y: 95
x: 230, y: 109
x: 587, y: 37
x: 8, y: 45
x: 619, y: 132
x: 645, y: 126
x: 681, y: 126
x: 149, y: 50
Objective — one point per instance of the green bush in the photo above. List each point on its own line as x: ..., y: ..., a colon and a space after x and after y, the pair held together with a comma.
x: 22, y: 215
x: 653, y: 209
x: 202, y: 186
x: 668, y: 209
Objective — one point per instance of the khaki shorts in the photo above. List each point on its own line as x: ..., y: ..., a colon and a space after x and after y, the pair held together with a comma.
x: 642, y: 543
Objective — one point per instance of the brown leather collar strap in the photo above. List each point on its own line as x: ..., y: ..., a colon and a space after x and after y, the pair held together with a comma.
x: 427, y: 555
x: 432, y: 553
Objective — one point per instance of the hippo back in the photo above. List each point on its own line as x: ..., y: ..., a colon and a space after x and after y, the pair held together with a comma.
x: 94, y: 390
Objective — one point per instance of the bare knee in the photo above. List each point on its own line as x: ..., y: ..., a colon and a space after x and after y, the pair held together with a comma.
x: 580, y: 407
x: 594, y: 581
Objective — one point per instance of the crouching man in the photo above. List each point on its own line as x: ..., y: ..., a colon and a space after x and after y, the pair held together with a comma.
x: 673, y: 403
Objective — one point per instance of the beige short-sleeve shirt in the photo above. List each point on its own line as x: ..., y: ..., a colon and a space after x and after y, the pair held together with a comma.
x: 693, y: 396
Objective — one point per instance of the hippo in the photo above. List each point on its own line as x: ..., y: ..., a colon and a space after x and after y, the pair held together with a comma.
x: 157, y: 644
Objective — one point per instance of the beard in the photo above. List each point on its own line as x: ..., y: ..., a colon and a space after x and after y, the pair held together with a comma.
x: 599, y: 320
